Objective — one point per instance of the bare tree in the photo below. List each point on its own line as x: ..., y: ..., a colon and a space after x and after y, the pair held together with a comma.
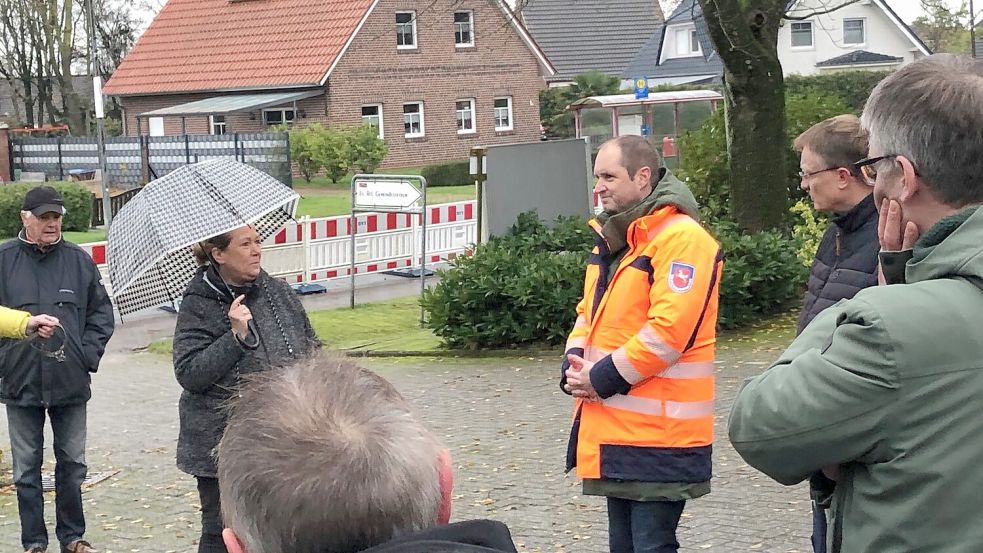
x: 45, y: 42
x: 18, y: 59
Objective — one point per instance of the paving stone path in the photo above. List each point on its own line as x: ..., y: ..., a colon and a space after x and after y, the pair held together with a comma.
x: 505, y: 420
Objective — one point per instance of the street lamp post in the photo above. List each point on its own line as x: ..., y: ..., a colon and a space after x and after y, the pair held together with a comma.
x: 972, y: 29
x: 107, y: 211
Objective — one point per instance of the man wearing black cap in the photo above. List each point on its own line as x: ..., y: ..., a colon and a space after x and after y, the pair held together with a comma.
x: 41, y: 273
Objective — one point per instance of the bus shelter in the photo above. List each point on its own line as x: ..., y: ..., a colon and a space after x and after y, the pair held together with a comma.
x: 662, y: 116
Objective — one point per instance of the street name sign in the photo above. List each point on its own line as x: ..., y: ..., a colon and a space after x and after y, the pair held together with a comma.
x: 393, y: 194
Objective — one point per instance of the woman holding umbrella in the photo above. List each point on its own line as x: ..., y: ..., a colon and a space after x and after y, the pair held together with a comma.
x: 235, y: 319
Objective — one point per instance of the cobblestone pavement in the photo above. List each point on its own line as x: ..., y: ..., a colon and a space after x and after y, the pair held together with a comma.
x: 505, y: 420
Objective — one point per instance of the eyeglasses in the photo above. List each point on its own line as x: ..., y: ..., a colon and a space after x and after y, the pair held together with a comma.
x: 868, y: 167
x: 803, y: 175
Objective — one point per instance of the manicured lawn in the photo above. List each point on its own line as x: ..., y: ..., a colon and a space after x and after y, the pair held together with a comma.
x: 92, y: 235
x: 345, y: 182
x: 385, y: 326
x: 327, y: 202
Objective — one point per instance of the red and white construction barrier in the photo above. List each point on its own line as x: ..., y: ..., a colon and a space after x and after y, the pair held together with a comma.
x: 333, y: 227
x: 320, y: 249
x: 96, y: 250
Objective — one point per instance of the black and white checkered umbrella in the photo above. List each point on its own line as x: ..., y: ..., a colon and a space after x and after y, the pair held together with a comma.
x: 149, y: 251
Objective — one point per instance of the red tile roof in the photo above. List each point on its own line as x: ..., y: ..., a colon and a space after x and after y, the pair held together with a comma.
x: 208, y: 45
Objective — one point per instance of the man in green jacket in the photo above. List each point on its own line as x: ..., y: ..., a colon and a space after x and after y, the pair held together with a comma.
x: 884, y: 392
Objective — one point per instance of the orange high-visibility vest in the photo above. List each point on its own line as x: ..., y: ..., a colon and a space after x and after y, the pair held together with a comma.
x: 650, y: 329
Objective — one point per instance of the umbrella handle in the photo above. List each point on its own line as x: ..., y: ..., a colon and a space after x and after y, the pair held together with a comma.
x: 252, y: 328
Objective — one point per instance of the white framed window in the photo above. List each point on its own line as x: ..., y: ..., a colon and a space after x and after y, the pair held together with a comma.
x: 278, y: 116
x: 503, y: 113
x: 465, y: 116
x: 155, y: 126
x: 463, y: 29
x: 216, y: 124
x: 687, y: 42
x: 802, y: 34
x: 405, y: 30
x: 372, y: 115
x: 413, y: 120
x: 854, y: 31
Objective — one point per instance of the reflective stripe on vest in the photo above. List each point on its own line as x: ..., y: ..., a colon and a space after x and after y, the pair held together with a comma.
x: 684, y: 410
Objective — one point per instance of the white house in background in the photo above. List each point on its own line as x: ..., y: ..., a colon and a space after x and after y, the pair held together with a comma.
x: 867, y: 34
x: 864, y: 35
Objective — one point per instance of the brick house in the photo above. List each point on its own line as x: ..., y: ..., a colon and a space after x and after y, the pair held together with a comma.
x: 436, y: 77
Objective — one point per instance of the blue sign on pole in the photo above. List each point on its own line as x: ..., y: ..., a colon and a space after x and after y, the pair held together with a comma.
x: 641, y: 88
x: 646, y: 130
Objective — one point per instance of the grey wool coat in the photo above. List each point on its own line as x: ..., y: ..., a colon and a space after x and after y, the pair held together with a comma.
x: 209, y: 359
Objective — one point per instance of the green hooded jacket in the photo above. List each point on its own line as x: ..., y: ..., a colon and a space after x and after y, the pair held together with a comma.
x: 889, y: 387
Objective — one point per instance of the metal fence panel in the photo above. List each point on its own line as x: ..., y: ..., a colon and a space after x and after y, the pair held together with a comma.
x: 55, y: 157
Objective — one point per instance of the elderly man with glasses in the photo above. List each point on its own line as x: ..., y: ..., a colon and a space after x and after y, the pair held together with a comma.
x: 883, y: 392
x: 846, y: 261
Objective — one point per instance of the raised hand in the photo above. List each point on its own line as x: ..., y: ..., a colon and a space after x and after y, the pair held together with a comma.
x: 239, y: 316
x: 893, y: 232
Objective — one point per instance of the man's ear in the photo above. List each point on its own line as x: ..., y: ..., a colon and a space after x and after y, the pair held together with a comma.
x: 644, y: 175
x: 232, y: 541
x: 445, y: 470
x: 846, y: 177
x: 910, y: 183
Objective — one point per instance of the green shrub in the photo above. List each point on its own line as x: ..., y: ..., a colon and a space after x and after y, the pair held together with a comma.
x: 365, y: 150
x: 521, y: 288
x: 704, y: 166
x: 762, y: 274
x: 853, y: 87
x: 447, y: 174
x: 808, y: 230
x: 332, y: 152
x: 78, y: 206
x: 336, y: 150
x: 514, y: 290
x: 305, y: 145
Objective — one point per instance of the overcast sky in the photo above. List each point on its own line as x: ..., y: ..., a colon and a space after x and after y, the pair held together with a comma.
x: 910, y: 9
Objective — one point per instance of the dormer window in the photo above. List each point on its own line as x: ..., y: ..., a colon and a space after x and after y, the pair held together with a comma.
x: 687, y: 43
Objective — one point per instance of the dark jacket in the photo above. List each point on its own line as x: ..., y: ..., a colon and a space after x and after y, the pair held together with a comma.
x: 208, y: 359
x: 64, y: 282
x: 473, y: 536
x: 846, y: 261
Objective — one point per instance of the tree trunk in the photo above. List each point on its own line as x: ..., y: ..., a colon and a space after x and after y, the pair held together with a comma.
x: 28, y: 99
x: 745, y: 36
x: 74, y: 111
x: 756, y: 145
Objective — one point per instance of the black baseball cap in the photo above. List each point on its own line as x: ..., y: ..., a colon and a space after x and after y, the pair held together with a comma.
x: 43, y: 199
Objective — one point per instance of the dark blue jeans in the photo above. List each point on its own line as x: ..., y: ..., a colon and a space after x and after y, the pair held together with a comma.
x: 643, y: 526
x: 26, y: 427
x: 819, y: 528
